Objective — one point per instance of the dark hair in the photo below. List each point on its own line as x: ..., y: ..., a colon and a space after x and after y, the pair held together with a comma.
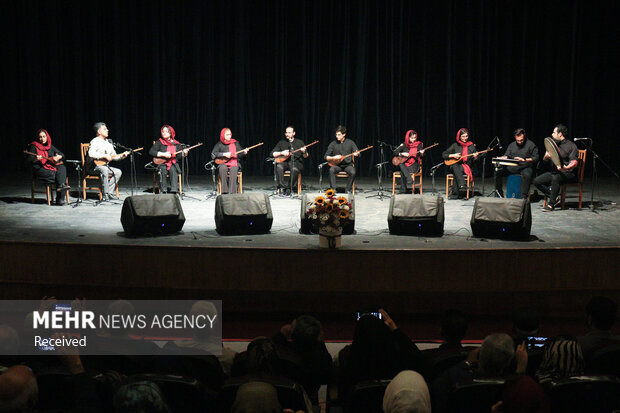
x: 98, y: 126
x: 562, y: 129
x: 141, y: 396
x: 341, y: 129
x: 306, y: 331
x: 262, y: 357
x: 525, y: 320
x: 453, y: 326
x: 290, y: 126
x: 519, y: 131
x: 602, y: 311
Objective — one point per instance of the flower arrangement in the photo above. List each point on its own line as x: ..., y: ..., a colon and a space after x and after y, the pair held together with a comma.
x: 329, y: 213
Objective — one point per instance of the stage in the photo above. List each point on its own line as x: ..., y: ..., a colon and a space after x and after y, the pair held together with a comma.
x: 265, y: 280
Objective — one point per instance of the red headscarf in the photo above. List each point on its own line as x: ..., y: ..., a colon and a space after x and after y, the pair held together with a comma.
x: 232, y: 148
x: 42, y: 150
x: 170, y: 145
x: 413, y: 147
x: 465, y: 146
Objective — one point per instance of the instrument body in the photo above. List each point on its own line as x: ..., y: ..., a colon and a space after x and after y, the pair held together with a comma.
x: 452, y: 161
x: 220, y: 161
x: 50, y: 159
x: 283, y: 158
x: 505, y: 162
x: 554, y: 151
x: 101, y: 162
x: 336, y: 162
x: 397, y: 160
x: 159, y: 161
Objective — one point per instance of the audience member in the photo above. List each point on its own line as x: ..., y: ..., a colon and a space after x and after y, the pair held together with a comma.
x: 601, y: 315
x: 522, y: 395
x: 18, y: 390
x: 525, y: 323
x: 9, y: 346
x: 453, y: 329
x: 140, y: 397
x: 407, y: 393
x: 256, y: 397
x: 562, y: 358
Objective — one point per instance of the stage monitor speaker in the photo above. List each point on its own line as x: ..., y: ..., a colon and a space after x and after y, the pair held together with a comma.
x: 505, y: 218
x: 416, y: 215
x: 152, y: 214
x: 239, y: 214
x: 306, y: 224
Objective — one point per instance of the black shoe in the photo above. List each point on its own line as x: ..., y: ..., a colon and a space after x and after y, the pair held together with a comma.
x: 63, y: 187
x: 60, y: 200
x: 547, y: 208
x: 287, y: 191
x: 557, y: 203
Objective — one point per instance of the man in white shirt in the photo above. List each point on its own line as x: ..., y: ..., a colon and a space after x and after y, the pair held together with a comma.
x: 102, y: 150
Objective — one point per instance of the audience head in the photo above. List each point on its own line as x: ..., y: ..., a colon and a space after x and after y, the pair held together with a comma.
x: 496, y: 353
x: 140, y: 397
x: 370, y: 335
x: 562, y: 358
x: 407, y: 393
x: 122, y: 308
x: 262, y: 357
x: 601, y: 312
x: 525, y: 321
x: 306, y: 331
x: 256, y: 397
x: 9, y: 340
x: 523, y: 395
x: 207, y: 309
x: 18, y: 390
x: 453, y: 326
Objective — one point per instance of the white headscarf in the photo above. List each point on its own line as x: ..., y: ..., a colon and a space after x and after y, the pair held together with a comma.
x: 407, y: 393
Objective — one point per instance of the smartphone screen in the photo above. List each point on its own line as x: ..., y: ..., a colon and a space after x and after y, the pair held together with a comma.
x: 536, y: 342
x: 374, y: 313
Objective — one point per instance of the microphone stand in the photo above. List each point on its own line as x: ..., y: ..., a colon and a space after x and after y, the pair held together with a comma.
x: 78, y: 170
x: 595, y: 174
x: 132, y: 166
x: 211, y: 165
x: 495, y: 192
x: 321, y: 165
x: 379, y: 167
x: 433, y: 170
x: 275, y: 177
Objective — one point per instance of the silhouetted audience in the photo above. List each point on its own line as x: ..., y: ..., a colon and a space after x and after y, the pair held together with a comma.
x: 140, y: 397
x: 601, y: 315
x: 453, y: 329
x: 256, y: 397
x: 18, y: 390
x: 522, y: 395
x: 407, y: 393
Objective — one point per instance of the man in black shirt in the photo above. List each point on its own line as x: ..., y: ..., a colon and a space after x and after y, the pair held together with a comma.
x: 549, y: 182
x: 335, y: 155
x: 525, y: 152
x: 294, y: 163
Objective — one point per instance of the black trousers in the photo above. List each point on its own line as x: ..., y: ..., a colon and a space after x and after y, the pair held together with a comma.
x: 171, y: 176
x: 294, y: 167
x: 57, y: 177
x: 526, y: 178
x: 406, y: 181
x: 553, y: 180
x: 229, y: 183
x: 350, y: 169
x: 459, y: 178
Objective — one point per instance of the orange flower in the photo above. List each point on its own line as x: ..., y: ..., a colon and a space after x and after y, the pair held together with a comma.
x: 319, y: 200
x: 343, y: 214
x: 329, y: 207
x: 329, y: 193
x: 342, y: 200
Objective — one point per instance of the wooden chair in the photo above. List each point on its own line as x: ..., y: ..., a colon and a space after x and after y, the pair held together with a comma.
x: 239, y: 182
x: 581, y: 167
x: 288, y: 173
x: 343, y: 174
x: 396, y: 175
x: 50, y: 189
x: 84, y: 152
x: 156, y: 187
x: 450, y: 180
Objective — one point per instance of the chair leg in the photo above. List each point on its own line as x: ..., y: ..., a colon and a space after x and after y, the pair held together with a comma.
x: 47, y: 193
x: 393, y: 183
x: 580, y: 193
x: 563, y: 198
x: 299, y: 183
x: 240, y: 178
x: 84, y: 189
x: 32, y: 192
x: 447, y: 185
x: 154, y: 183
x: 180, y: 185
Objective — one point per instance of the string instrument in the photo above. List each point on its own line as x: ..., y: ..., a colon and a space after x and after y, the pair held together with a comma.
x: 220, y: 161
x: 159, y: 161
x: 337, y: 161
x: 452, y: 161
x: 283, y: 158
x: 505, y: 162
x: 101, y: 162
x: 397, y: 160
x: 49, y: 158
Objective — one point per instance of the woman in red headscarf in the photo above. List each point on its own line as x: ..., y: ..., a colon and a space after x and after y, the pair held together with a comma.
x: 411, y: 149
x: 47, y: 164
x: 230, y: 150
x: 463, y: 146
x: 164, y: 149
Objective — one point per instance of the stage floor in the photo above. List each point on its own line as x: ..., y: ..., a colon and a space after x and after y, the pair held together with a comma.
x: 88, y: 223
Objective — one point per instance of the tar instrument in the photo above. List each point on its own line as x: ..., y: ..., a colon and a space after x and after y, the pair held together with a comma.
x: 337, y: 161
x: 50, y: 159
x: 505, y: 162
x: 452, y: 161
x: 397, y: 160
x: 283, y: 158
x: 101, y: 162
x: 554, y: 151
x: 159, y: 161
x: 220, y: 161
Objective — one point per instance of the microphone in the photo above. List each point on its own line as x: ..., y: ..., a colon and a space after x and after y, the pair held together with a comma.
x: 499, y: 143
x: 581, y: 139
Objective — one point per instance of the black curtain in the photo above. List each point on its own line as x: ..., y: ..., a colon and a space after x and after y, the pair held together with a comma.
x: 378, y: 67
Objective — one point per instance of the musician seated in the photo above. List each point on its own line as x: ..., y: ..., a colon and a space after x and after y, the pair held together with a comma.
x: 465, y: 149
x: 102, y: 150
x: 339, y: 155
x: 525, y: 154
x: 549, y: 183
x: 47, y: 164
x: 412, y: 150
x: 229, y: 150
x: 294, y: 163
x: 163, y: 150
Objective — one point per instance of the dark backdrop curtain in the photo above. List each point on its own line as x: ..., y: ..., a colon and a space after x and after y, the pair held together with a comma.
x: 378, y: 67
